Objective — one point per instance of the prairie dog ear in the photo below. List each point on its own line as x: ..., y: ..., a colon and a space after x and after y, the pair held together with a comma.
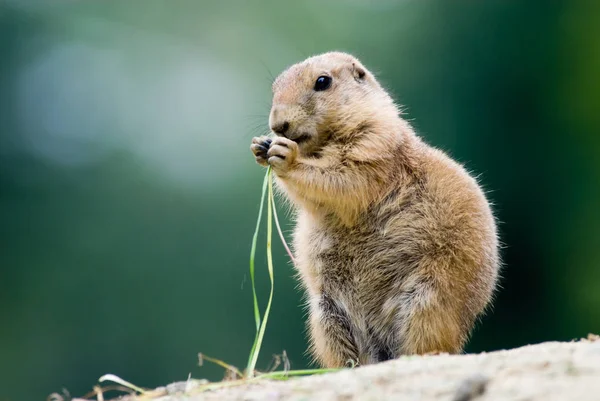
x: 358, y: 72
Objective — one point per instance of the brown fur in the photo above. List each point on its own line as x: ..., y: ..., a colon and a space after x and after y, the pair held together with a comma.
x: 395, y: 242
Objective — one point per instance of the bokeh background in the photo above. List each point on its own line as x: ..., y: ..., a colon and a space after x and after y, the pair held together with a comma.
x: 128, y: 194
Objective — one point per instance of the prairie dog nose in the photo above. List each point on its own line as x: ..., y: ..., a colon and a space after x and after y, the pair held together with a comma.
x: 281, y: 118
x: 280, y: 128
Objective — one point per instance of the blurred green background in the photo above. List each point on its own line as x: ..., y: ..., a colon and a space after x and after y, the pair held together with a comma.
x: 128, y: 194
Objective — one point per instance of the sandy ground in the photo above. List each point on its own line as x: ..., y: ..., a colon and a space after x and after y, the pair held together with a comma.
x: 548, y: 371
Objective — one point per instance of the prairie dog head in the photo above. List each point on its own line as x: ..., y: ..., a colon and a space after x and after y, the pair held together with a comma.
x: 331, y: 95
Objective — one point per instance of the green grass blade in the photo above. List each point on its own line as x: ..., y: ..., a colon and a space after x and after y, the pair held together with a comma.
x: 261, y: 332
x: 301, y: 372
x: 252, y: 256
x: 253, y: 250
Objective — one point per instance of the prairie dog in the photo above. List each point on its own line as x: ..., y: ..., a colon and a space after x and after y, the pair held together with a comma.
x: 395, y: 243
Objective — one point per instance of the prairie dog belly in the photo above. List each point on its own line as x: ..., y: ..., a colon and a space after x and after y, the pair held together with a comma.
x: 357, y: 268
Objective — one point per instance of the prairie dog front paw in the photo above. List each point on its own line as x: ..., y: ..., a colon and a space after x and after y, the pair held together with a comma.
x: 260, y: 146
x: 282, y: 155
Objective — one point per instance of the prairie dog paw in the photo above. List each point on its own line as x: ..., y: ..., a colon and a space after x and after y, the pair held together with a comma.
x: 260, y: 147
x: 282, y: 155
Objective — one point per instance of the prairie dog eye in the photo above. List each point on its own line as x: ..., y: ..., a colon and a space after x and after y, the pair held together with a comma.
x: 323, y: 83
